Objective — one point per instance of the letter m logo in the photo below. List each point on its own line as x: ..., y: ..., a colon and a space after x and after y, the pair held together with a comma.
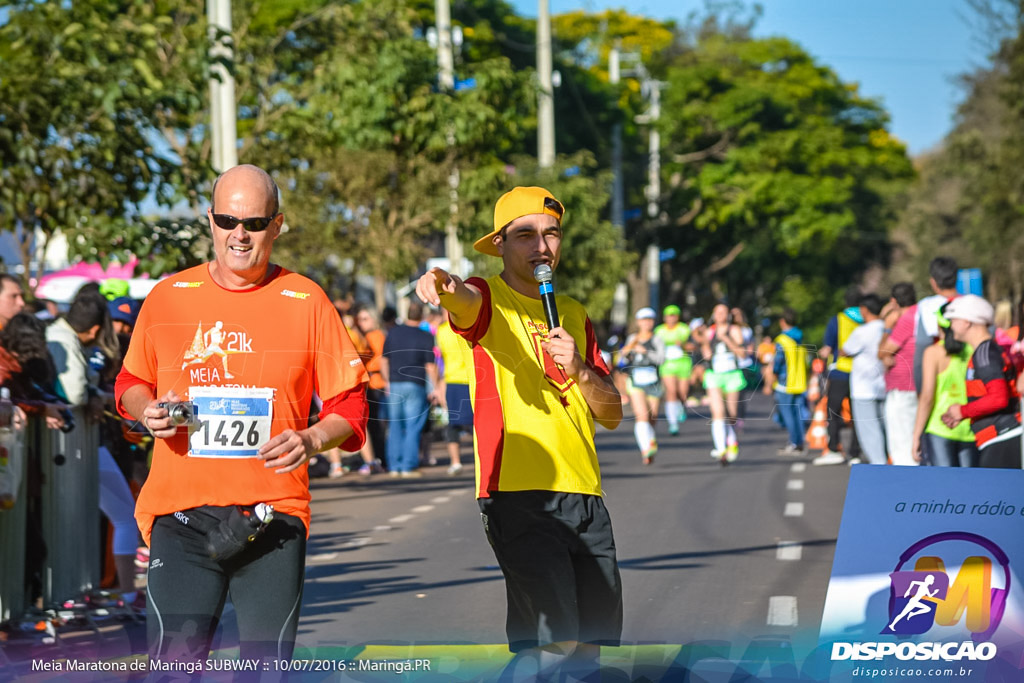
x: 969, y: 596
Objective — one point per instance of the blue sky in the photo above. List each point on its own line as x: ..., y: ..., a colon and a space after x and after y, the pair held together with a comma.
x: 906, y: 53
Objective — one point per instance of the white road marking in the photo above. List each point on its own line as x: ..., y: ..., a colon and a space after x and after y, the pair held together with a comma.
x: 795, y: 485
x: 782, y: 610
x: 794, y: 510
x: 382, y: 527
x: 323, y: 557
x: 798, y: 467
x: 789, y: 551
x: 459, y: 492
x: 401, y: 519
x: 440, y: 499
x: 357, y: 542
x: 422, y: 508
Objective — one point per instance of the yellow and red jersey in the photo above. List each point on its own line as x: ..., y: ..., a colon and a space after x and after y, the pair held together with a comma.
x: 533, y: 428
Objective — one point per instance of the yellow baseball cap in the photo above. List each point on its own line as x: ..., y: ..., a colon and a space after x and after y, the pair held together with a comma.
x: 516, y: 203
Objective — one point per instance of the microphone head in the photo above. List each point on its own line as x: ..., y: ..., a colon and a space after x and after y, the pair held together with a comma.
x: 542, y: 273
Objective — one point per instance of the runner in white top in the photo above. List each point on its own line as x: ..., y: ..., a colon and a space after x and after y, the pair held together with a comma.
x: 643, y: 353
x: 723, y: 381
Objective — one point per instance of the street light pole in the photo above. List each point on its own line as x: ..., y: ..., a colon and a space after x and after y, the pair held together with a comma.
x: 545, y: 94
x: 620, y: 300
x: 618, y: 194
x: 445, y: 55
x: 446, y: 81
x: 652, y: 89
x: 223, y: 131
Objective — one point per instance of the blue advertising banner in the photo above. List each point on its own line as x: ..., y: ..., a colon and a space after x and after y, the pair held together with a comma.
x: 926, y: 575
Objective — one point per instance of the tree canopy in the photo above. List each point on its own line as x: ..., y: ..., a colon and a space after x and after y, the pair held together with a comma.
x: 779, y: 181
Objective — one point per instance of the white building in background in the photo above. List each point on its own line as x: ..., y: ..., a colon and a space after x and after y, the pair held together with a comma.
x: 54, y: 258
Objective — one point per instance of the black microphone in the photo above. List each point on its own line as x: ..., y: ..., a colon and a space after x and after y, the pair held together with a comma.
x: 542, y: 274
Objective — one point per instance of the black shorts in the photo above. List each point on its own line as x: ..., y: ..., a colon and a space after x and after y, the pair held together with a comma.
x: 557, y: 553
x: 1005, y: 454
x: 186, y: 591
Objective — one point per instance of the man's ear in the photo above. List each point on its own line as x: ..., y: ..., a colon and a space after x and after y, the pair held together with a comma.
x: 499, y: 244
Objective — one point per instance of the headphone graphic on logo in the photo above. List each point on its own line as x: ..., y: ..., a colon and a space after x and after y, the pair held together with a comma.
x: 999, y: 595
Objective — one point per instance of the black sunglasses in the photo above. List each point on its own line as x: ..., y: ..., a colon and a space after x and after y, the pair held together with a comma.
x: 253, y: 224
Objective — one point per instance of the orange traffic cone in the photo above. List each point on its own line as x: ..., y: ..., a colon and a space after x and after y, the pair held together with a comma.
x: 817, y: 433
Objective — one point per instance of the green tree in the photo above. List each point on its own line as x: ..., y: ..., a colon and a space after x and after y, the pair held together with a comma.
x: 372, y: 147
x: 779, y: 175
x: 969, y: 199
x: 77, y: 99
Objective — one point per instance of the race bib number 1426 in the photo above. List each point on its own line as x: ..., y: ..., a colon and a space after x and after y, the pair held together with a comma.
x: 232, y: 422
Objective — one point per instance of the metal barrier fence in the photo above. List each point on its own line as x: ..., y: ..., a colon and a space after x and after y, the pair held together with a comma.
x: 12, y: 545
x: 70, y: 517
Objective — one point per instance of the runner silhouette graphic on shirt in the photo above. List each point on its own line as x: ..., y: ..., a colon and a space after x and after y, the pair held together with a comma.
x: 210, y: 344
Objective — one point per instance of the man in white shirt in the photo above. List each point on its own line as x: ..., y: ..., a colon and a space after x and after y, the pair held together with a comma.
x: 867, y: 381
x: 942, y: 273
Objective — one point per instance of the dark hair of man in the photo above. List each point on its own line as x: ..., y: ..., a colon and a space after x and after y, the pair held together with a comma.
x: 88, y: 288
x: 388, y: 315
x: 943, y: 270
x: 87, y: 311
x: 106, y: 339
x: 852, y: 295
x: 13, y: 279
x: 872, y: 302
x: 789, y: 316
x: 275, y: 206
x: 904, y: 294
x: 24, y: 336
x: 415, y: 311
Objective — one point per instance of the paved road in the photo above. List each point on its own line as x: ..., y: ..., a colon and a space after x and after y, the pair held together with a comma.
x: 705, y: 551
x: 738, y: 554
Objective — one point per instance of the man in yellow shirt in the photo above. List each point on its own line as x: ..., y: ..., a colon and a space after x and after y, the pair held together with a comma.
x: 536, y: 395
x: 457, y: 359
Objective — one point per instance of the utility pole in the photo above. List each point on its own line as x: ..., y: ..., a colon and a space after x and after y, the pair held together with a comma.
x: 446, y: 80
x: 654, y: 188
x: 620, y: 300
x: 445, y: 56
x: 654, y: 151
x: 618, y: 195
x: 223, y: 131
x: 545, y: 95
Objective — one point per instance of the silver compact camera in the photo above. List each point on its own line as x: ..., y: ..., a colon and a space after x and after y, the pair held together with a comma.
x: 180, y: 413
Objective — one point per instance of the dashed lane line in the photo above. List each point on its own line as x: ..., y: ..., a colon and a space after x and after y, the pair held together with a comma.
x: 789, y: 551
x: 782, y: 610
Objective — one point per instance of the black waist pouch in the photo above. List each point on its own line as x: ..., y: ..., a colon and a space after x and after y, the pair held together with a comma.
x: 229, y: 530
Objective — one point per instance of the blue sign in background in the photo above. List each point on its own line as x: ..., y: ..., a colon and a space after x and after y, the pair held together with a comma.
x: 893, y: 517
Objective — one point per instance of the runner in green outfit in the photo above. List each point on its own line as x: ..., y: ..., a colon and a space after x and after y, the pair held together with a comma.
x: 675, y: 371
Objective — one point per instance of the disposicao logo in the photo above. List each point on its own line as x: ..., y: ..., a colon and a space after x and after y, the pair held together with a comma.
x: 927, y: 596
